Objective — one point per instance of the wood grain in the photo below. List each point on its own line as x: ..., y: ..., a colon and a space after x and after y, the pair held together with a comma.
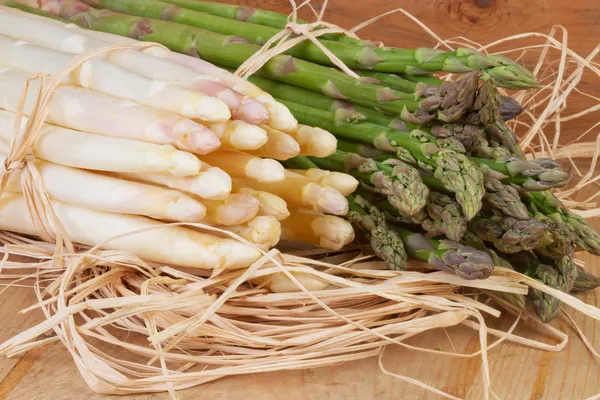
x: 517, y: 373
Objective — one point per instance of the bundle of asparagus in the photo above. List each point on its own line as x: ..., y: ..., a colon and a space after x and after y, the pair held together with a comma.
x: 440, y: 175
x: 132, y: 140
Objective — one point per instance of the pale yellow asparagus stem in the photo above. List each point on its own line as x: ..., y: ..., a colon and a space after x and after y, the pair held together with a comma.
x: 211, y: 183
x: 315, y: 142
x: 279, y: 282
x: 268, y: 203
x: 279, y: 146
x: 244, y: 165
x: 85, y: 110
x: 326, y: 231
x: 234, y: 210
x: 239, y: 135
x: 344, y: 183
x: 171, y: 245
x: 262, y: 231
x: 103, y: 76
x: 105, y: 193
x: 298, y: 191
x: 101, y: 153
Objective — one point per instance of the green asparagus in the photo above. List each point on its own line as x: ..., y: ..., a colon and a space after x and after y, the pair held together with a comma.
x: 510, y: 235
x: 585, y: 281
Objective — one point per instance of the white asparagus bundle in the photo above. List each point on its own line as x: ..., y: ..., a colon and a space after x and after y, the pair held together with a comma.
x: 314, y: 141
x: 326, y: 231
x: 262, y: 231
x: 104, y: 193
x: 173, y: 245
x: 346, y: 184
x: 102, y: 76
x: 101, y: 153
x: 239, y: 135
x: 211, y: 183
x: 298, y: 191
x: 86, y: 110
x: 269, y: 204
x: 234, y: 210
x: 72, y: 39
x: 244, y: 165
x: 279, y: 146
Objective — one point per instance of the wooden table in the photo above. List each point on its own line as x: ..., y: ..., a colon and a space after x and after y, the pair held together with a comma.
x: 517, y: 372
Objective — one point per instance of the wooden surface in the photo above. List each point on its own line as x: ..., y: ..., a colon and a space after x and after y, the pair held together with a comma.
x: 517, y: 372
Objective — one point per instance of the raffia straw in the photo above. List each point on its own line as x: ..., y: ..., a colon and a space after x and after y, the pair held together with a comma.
x: 205, y: 325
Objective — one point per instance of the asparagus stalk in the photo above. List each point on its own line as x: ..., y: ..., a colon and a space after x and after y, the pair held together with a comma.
x: 344, y: 183
x: 505, y: 198
x: 447, y: 255
x: 326, y: 231
x: 234, y: 210
x: 279, y: 145
x: 444, y: 217
x: 585, y: 281
x: 262, y: 231
x: 396, y: 180
x: 354, y: 53
x: 239, y: 135
x: 269, y: 205
x: 243, y: 165
x: 385, y: 242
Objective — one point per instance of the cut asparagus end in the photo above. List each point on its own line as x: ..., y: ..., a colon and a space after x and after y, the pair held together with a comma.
x: 213, y: 183
x: 264, y: 170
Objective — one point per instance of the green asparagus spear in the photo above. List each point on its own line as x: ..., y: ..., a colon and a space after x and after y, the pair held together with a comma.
x: 504, y: 198
x: 446, y: 255
x: 385, y: 242
x: 585, y: 281
x: 444, y: 217
x: 398, y: 181
x: 510, y: 235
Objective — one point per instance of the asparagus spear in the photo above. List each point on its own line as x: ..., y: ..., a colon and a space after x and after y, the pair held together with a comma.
x: 505, y: 198
x: 396, y: 180
x: 411, y: 61
x: 447, y: 255
x: 508, y: 234
x: 449, y: 103
x: 560, y: 274
x: 585, y: 281
x: 385, y: 242
x: 585, y: 236
x: 444, y: 217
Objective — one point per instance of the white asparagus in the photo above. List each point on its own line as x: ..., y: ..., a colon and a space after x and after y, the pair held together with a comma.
x: 104, y: 193
x: 102, y: 153
x: 268, y: 203
x: 326, y: 231
x: 212, y: 183
x: 234, y: 210
x: 262, y: 231
x: 314, y: 141
x: 102, y: 76
x: 300, y: 192
x: 243, y: 165
x: 239, y: 135
x: 86, y: 110
x: 172, y: 245
x: 279, y: 282
x: 279, y: 146
x: 346, y: 184
x: 72, y: 39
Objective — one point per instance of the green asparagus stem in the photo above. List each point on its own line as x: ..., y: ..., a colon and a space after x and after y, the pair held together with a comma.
x: 584, y: 236
x: 385, y: 242
x: 446, y: 255
x: 585, y: 281
x: 396, y: 180
x: 299, y: 162
x: 560, y: 274
x: 510, y: 235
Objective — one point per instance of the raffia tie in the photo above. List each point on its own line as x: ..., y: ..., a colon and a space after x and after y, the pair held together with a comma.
x: 19, y: 155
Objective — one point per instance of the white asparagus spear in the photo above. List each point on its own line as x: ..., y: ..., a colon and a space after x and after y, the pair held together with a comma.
x: 105, y: 77
x: 279, y: 282
x: 104, y: 193
x: 244, y: 165
x: 172, y: 245
x: 326, y: 231
x: 101, y: 153
x: 279, y: 146
x: 212, y: 183
x: 314, y: 141
x: 239, y: 135
x: 262, y: 231
x: 86, y: 110
x: 72, y: 39
x: 234, y: 210
x: 298, y: 191
x: 346, y: 184
x: 269, y: 204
